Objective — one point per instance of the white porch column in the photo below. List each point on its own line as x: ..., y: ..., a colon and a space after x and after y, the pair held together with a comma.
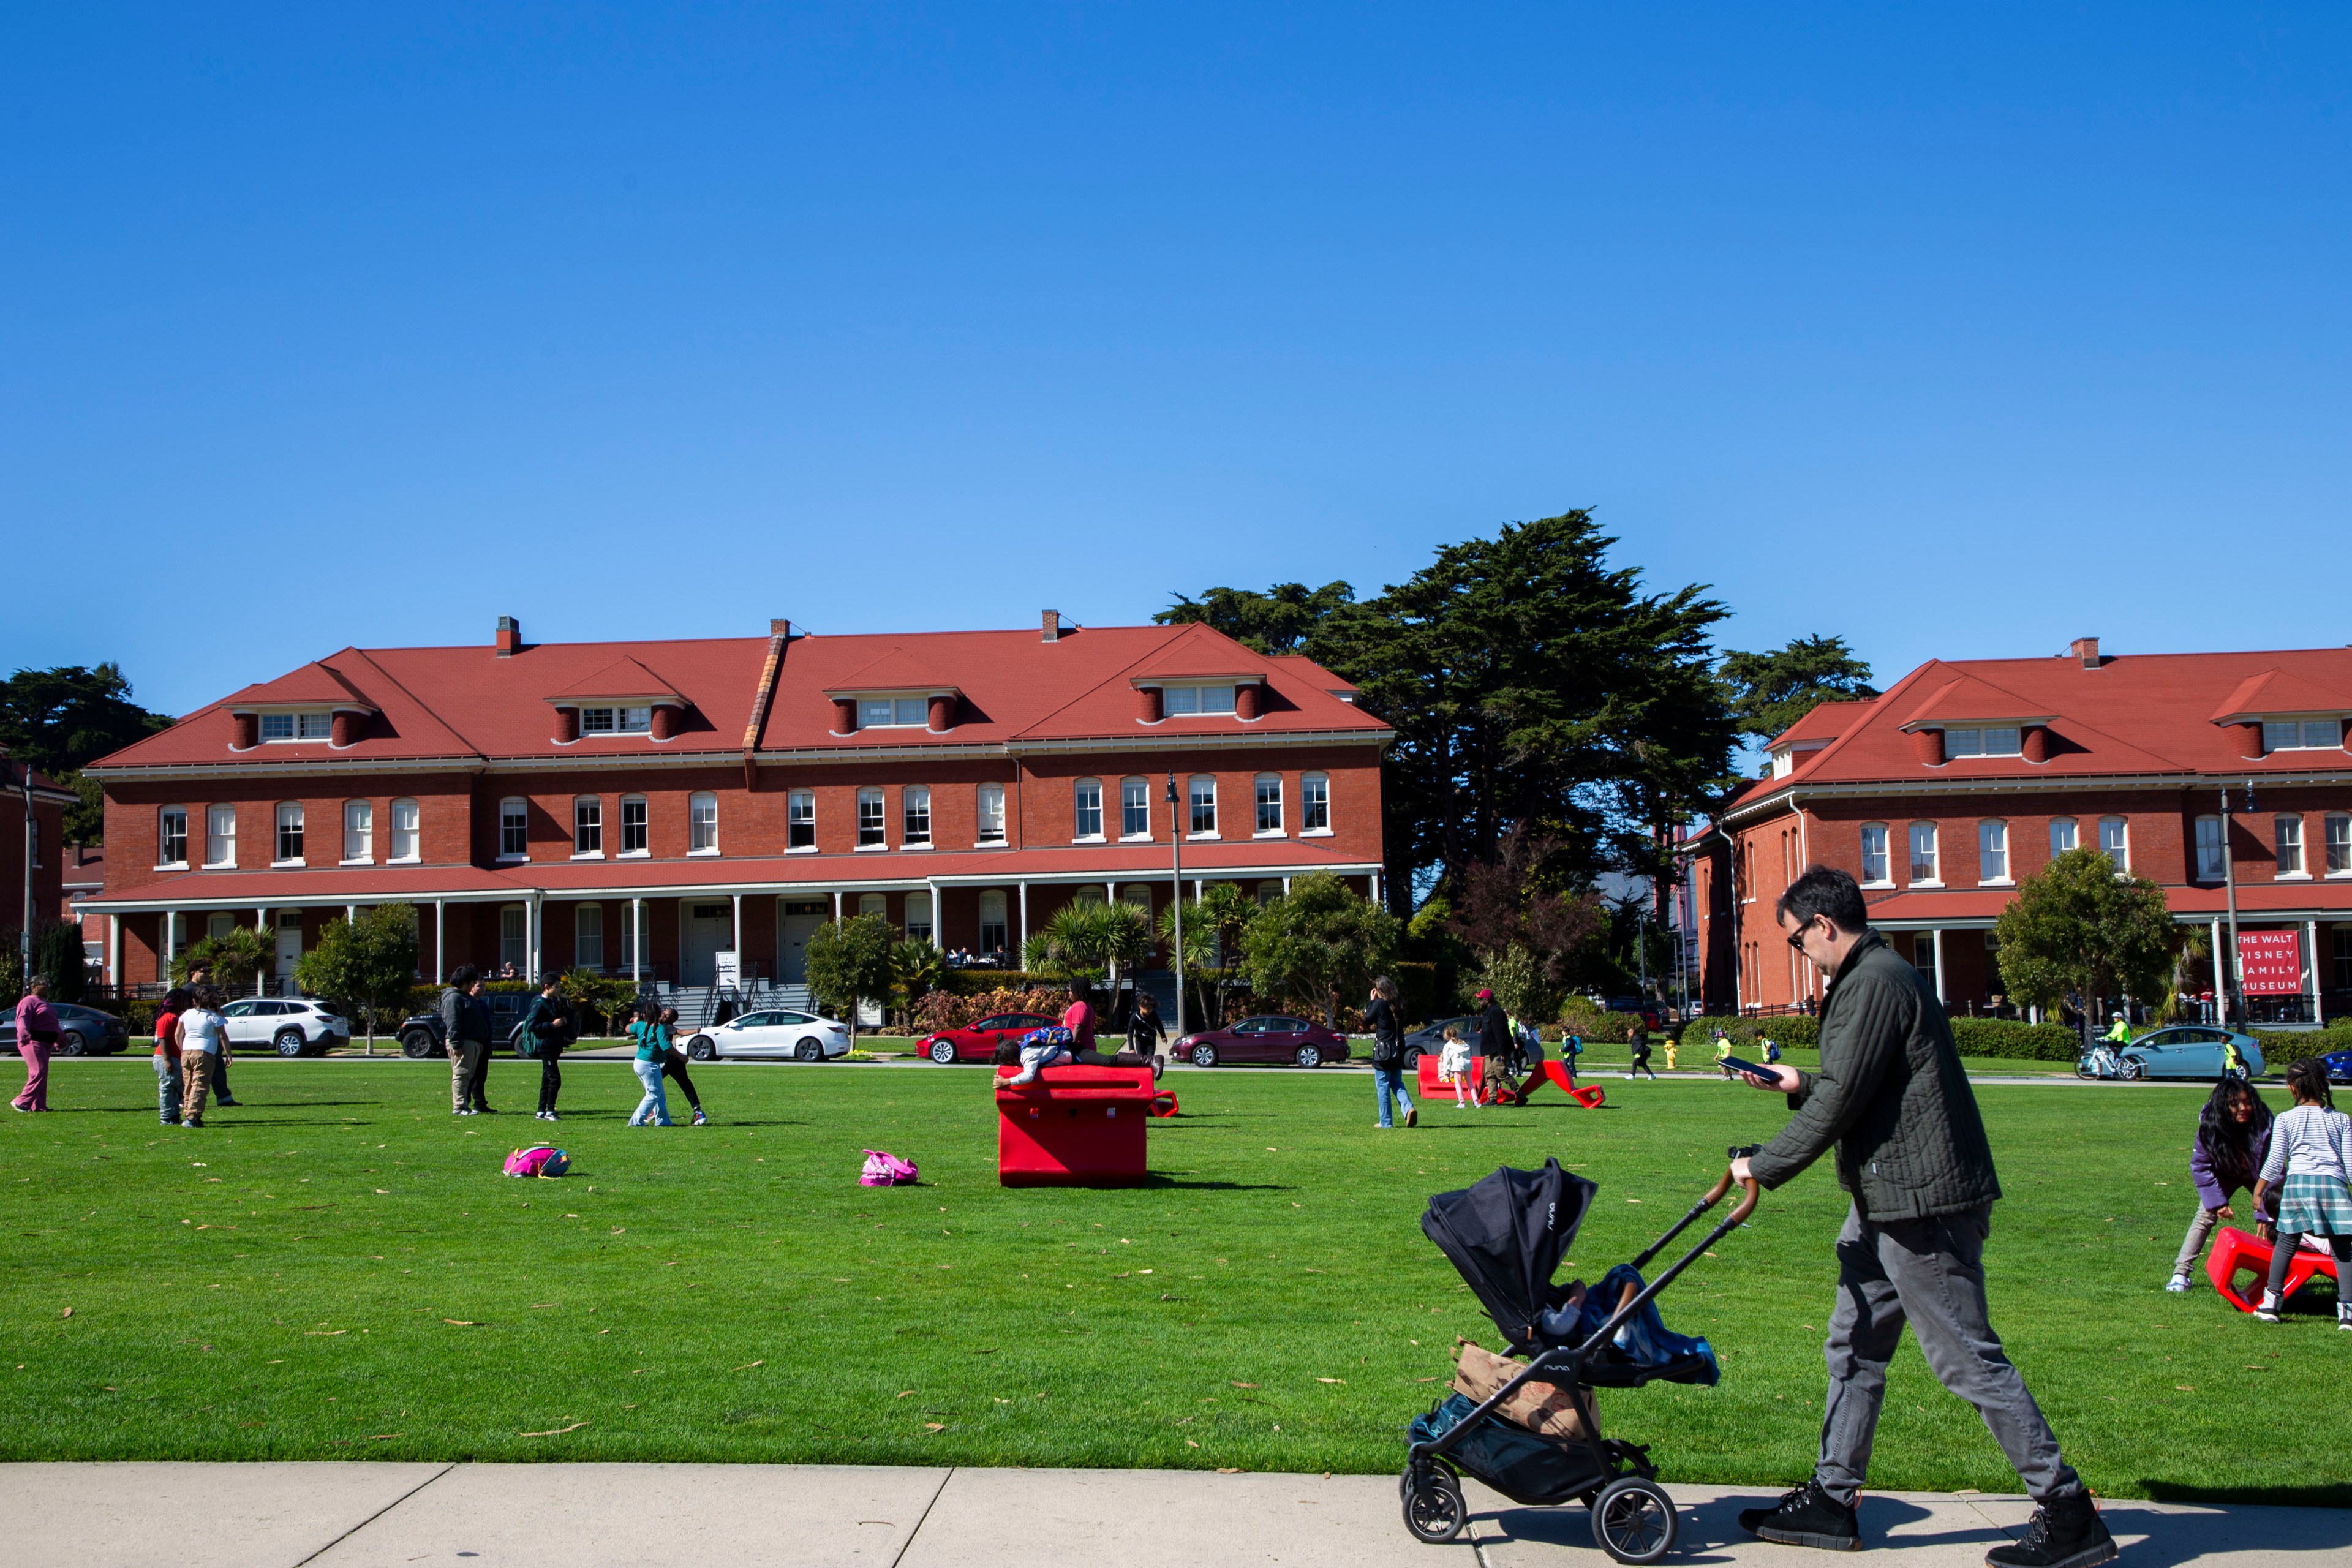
x: 1023, y: 946
x: 2311, y: 956
x: 938, y: 920
x: 1938, y: 934
x: 170, y: 946
x: 114, y: 952
x: 836, y: 906
x: 535, y: 913
x: 737, y: 938
x: 440, y: 941
x: 350, y: 914
x: 636, y: 940
x: 2221, y: 973
x: 1285, y: 887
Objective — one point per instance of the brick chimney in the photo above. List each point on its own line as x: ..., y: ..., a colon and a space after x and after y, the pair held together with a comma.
x: 2036, y: 744
x: 1249, y: 700
x: 1928, y: 745
x: 348, y: 726
x: 567, y: 725
x: 2250, y: 740
x: 1053, y: 626
x: 845, y: 715
x: 943, y: 712
x: 509, y: 636
x: 664, y: 721
x: 2086, y: 649
x: 1146, y: 705
x: 780, y: 628
x: 245, y: 732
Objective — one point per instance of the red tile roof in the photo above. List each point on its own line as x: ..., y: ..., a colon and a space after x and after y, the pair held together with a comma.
x: 2277, y: 693
x: 623, y: 677
x: 1824, y: 722
x: 468, y: 704
x: 896, y: 670
x: 312, y: 683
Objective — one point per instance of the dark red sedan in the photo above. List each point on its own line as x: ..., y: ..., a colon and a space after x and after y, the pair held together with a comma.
x: 977, y: 1042
x: 1270, y: 1037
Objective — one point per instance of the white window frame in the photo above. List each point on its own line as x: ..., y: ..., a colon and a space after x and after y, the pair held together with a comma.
x: 1002, y: 905
x: 1992, y: 853
x: 414, y: 830
x: 1314, y: 805
x: 2121, y: 838
x: 2068, y: 827
x: 1134, y: 800
x: 296, y: 728
x: 585, y: 807
x: 873, y: 904
x: 894, y: 711
x: 928, y: 925
x: 800, y: 811
x: 2336, y: 837
x: 702, y: 823
x: 515, y: 947
x: 1199, y: 791
x: 359, y: 837
x: 280, y: 825
x: 164, y: 833
x: 1212, y: 701
x: 2286, y: 834
x: 914, y: 804
x: 1085, y: 797
x: 584, y: 916
x: 1260, y: 800
x: 644, y: 812
x: 599, y: 721
x: 2302, y: 735
x: 988, y: 809
x: 220, y: 833
x: 637, y: 721
x: 1935, y: 861
x: 869, y: 797
x: 2206, y: 845
x: 1885, y: 873
x: 514, y: 828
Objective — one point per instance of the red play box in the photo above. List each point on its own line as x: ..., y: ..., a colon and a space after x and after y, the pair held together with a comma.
x: 1072, y: 1127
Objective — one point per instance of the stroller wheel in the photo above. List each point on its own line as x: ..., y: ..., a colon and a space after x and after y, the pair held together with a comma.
x: 1433, y: 1511
x: 1633, y: 1521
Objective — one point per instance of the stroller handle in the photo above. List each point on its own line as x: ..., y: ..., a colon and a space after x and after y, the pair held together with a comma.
x: 1747, y: 1204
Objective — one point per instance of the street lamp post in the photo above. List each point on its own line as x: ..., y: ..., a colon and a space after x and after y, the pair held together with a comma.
x: 1176, y: 853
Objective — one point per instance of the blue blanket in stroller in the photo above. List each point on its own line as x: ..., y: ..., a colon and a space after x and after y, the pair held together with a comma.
x: 1644, y: 1349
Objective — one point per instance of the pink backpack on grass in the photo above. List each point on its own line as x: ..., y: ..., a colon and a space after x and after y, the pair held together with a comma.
x: 883, y: 1169
x: 541, y: 1160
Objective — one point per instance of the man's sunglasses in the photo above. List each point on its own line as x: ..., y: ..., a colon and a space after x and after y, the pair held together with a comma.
x: 1798, y: 941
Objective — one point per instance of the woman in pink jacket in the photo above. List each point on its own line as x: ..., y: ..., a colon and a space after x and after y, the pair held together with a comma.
x: 36, y: 1035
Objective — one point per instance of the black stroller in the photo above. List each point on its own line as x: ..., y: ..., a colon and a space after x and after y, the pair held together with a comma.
x: 1505, y: 1235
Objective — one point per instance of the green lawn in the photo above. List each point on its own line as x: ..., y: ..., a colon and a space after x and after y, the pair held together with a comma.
x: 339, y: 1270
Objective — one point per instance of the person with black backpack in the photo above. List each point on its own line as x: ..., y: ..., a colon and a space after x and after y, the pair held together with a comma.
x: 1388, y: 1054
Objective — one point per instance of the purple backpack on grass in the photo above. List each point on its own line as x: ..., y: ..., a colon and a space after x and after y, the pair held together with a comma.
x: 883, y: 1169
x: 541, y: 1160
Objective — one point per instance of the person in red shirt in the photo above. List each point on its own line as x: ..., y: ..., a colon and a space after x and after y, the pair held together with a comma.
x: 168, y: 1088
x: 1079, y: 1019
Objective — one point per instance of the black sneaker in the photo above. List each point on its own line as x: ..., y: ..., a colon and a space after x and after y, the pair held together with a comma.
x: 1805, y: 1517
x: 2065, y: 1532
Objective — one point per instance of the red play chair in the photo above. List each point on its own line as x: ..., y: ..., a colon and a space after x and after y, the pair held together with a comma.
x: 1434, y: 1087
x: 2235, y: 1252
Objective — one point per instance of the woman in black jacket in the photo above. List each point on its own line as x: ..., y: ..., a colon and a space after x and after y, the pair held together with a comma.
x: 1145, y: 1032
x: 1388, y: 1053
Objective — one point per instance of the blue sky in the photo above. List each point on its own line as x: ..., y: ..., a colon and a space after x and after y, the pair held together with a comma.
x: 1959, y: 330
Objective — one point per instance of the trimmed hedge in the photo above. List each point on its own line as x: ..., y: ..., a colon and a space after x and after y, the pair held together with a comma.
x: 1795, y: 1029
x: 2281, y: 1047
x: 1976, y: 1036
x: 976, y: 982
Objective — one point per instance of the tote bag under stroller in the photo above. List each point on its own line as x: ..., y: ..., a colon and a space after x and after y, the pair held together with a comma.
x: 1510, y: 1458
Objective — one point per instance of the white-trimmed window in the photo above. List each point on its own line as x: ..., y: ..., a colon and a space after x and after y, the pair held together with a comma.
x: 358, y: 832
x: 915, y: 822
x: 1196, y: 699
x: 873, y: 832
x: 1873, y: 856
x: 218, y: 926
x: 405, y: 820
x: 1922, y: 853
x: 2339, y: 846
x: 588, y: 936
x: 2115, y: 842
x: 991, y: 825
x: 800, y: 819
x: 2302, y: 735
x: 2210, y: 866
x: 172, y: 838
x: 893, y: 713
x: 289, y: 833
x: 616, y: 721
x: 1138, y: 894
x: 1201, y: 799
x: 1267, y: 891
x: 514, y: 828
x: 297, y: 726
x: 1269, y: 806
x: 1135, y: 808
x: 2063, y: 836
x: 702, y: 823
x: 514, y: 936
x: 1993, y: 850
x: 994, y: 931
x: 2001, y: 742
x: 637, y: 832
x: 588, y: 827
x: 1086, y: 811
x: 220, y: 836
x: 1314, y: 803
x: 2286, y: 833
x: 873, y: 904
x: 919, y: 917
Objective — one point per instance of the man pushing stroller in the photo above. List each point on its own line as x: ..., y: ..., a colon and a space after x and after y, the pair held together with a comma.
x: 1911, y: 1149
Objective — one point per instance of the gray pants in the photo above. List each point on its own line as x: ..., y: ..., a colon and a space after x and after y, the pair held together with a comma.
x: 470, y: 1073
x: 2192, y: 1246
x: 1930, y: 1274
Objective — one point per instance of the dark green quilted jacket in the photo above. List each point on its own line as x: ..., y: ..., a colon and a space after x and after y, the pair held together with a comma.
x: 1890, y: 1095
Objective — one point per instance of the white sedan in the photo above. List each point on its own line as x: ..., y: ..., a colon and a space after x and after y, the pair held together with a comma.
x: 787, y: 1036
x: 292, y: 1028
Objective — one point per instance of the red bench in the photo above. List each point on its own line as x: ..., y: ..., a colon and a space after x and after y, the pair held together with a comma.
x: 1434, y: 1087
x: 1073, y: 1127
x: 2236, y: 1251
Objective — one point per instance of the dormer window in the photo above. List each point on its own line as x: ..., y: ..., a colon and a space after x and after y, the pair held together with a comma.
x: 1196, y: 698
x: 2004, y: 741
x: 1784, y: 762
x: 893, y: 713
x: 616, y: 721
x: 2302, y: 735
x: 318, y: 726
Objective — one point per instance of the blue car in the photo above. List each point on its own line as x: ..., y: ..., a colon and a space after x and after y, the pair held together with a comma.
x: 2339, y: 1067
x: 2187, y: 1050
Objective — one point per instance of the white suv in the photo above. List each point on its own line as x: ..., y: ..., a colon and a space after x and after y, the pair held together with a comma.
x: 292, y: 1028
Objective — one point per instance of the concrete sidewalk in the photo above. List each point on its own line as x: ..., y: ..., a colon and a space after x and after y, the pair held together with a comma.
x: 721, y: 1516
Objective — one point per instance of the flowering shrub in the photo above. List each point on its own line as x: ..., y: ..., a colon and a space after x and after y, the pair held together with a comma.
x: 940, y: 1010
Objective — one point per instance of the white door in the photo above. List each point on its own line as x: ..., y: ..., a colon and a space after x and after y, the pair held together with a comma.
x: 290, y: 953
x: 796, y: 920
x: 702, y: 930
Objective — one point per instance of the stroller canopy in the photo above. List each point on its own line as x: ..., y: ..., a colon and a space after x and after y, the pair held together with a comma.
x: 1507, y: 1235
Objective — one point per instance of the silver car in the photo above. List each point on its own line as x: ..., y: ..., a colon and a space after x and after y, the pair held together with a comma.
x: 2186, y: 1050
x: 774, y: 1035
x: 291, y: 1028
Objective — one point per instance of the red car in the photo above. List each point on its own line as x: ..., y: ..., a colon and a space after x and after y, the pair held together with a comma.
x: 978, y: 1042
x: 1272, y: 1037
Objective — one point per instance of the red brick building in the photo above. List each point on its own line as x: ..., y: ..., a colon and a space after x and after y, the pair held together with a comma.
x: 641, y: 807
x: 1966, y: 777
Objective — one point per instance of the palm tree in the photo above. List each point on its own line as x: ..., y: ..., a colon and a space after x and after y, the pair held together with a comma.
x: 916, y: 969
x: 1213, y: 924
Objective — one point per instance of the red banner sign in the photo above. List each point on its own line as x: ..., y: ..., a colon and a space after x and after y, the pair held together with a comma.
x: 2270, y: 962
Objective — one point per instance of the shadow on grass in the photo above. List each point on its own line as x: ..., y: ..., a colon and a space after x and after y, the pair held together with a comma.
x: 1156, y: 1182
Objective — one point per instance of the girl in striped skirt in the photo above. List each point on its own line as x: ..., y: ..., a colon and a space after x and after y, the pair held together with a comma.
x: 2311, y: 1148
